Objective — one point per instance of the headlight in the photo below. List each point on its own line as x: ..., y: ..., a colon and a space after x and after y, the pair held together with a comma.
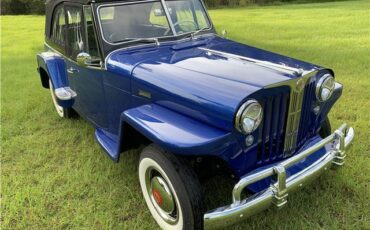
x: 249, y: 117
x: 325, y: 87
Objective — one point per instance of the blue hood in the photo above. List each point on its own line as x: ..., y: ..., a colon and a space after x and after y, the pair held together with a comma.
x: 202, y: 78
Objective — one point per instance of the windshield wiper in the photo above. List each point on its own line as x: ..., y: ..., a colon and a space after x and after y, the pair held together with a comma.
x: 192, y: 34
x: 198, y: 31
x: 140, y: 40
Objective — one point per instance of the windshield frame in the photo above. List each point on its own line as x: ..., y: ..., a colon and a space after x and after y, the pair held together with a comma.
x: 174, y: 36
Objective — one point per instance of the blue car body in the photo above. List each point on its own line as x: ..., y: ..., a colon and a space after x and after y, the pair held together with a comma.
x: 183, y: 97
x: 219, y: 104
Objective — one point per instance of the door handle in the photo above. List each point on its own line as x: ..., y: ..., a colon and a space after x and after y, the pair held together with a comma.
x: 72, y: 70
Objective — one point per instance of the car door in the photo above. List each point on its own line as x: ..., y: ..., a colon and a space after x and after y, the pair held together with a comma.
x: 86, y: 80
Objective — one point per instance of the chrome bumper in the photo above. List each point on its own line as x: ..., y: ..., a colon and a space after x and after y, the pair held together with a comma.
x: 278, y: 191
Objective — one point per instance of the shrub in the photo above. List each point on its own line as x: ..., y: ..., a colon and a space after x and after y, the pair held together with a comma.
x: 38, y: 6
x: 22, y: 7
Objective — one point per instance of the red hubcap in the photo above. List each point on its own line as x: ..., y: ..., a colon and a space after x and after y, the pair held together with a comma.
x: 157, y: 197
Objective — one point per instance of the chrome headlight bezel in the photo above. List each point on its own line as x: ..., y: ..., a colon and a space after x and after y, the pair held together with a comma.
x: 244, y: 113
x: 325, y: 85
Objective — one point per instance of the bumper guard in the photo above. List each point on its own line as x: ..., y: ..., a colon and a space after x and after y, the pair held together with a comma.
x: 277, y: 193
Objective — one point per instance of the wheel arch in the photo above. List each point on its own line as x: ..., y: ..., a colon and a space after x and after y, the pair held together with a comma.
x: 44, y: 77
x: 171, y: 131
x: 131, y: 138
x: 204, y: 165
x: 52, y: 66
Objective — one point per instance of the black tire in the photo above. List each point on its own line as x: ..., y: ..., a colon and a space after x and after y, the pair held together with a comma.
x: 325, y: 128
x: 69, y: 113
x: 184, y: 182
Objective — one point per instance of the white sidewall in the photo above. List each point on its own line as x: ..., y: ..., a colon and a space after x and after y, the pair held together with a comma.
x: 58, y: 108
x: 143, y: 167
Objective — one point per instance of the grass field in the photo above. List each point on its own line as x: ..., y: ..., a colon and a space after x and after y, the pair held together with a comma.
x: 55, y: 175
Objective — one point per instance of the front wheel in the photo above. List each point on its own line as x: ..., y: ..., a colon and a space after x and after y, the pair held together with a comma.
x: 171, y: 190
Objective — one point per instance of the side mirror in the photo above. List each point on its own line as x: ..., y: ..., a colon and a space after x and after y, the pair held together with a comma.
x: 83, y: 59
x: 224, y: 33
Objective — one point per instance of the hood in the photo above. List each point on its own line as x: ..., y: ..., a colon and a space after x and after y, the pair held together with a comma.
x: 206, y: 79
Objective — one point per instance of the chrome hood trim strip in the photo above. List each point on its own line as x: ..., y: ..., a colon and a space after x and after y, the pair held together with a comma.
x: 266, y: 64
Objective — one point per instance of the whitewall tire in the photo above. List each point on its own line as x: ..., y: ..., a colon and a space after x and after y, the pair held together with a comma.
x: 171, y: 190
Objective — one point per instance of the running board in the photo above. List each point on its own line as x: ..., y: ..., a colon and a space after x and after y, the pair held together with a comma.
x: 109, y: 142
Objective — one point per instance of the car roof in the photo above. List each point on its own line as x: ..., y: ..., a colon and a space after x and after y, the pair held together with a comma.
x: 56, y: 2
x: 52, y: 4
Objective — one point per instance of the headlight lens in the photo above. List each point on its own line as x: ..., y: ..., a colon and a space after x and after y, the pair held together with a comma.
x: 325, y: 87
x: 249, y: 117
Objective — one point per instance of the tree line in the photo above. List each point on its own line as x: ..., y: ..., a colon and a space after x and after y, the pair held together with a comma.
x: 22, y: 7
x: 38, y: 6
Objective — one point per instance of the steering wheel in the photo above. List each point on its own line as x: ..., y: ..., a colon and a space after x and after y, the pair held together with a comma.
x: 178, y: 24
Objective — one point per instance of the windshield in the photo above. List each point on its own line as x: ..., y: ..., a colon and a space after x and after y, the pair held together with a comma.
x: 132, y: 21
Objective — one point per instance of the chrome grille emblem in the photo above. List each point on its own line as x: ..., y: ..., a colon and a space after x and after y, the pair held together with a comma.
x: 301, y: 83
x: 297, y: 93
x: 294, y: 114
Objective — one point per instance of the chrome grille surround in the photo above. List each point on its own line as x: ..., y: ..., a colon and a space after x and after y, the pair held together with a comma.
x: 297, y: 92
x: 294, y: 115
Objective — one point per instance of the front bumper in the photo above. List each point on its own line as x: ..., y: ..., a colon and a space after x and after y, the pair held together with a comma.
x: 277, y: 192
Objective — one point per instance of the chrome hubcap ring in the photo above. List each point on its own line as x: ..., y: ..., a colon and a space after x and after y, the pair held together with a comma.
x: 161, y: 196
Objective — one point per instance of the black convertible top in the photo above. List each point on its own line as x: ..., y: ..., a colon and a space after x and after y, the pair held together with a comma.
x: 56, y: 2
x: 51, y: 4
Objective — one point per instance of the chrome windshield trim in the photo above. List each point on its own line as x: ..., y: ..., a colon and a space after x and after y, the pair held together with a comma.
x: 121, y: 4
x: 164, y: 5
x: 175, y: 35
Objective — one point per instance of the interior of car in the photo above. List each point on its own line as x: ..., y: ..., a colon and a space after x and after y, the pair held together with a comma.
x: 145, y: 20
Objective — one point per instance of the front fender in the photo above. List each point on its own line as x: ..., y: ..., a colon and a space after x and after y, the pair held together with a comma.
x: 54, y: 67
x: 175, y: 132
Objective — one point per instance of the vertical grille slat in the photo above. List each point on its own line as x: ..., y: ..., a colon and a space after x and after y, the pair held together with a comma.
x: 307, y: 126
x: 260, y: 136
x: 282, y: 121
x: 266, y: 129
x: 272, y: 130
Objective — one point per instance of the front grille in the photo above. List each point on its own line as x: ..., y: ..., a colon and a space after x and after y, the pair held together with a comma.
x: 288, y: 120
x: 271, y: 133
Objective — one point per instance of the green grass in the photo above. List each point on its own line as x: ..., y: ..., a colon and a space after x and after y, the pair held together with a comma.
x: 55, y: 175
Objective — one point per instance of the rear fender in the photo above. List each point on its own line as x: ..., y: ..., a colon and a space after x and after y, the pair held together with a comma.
x: 54, y: 67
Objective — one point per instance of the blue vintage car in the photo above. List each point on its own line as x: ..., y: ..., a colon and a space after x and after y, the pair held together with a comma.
x: 155, y: 72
